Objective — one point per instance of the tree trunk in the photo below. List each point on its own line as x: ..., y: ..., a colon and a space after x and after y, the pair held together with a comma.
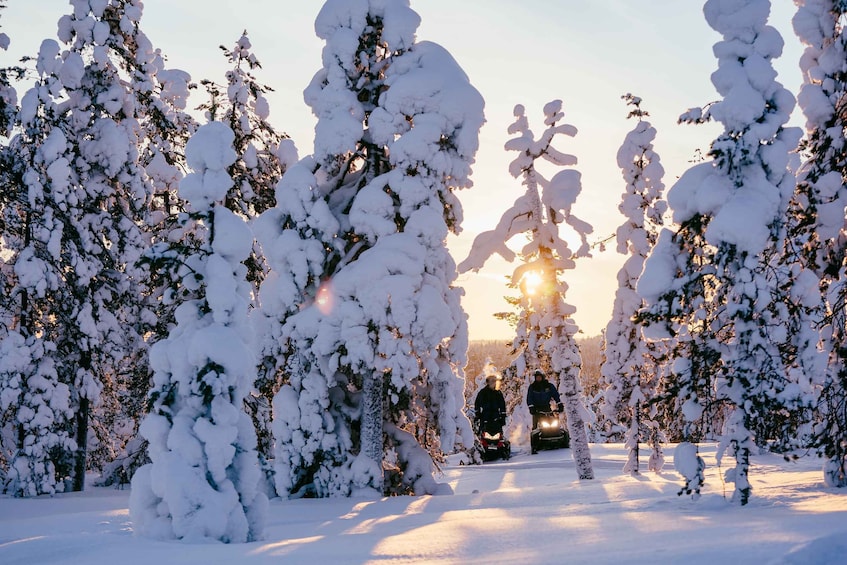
x: 742, y: 483
x: 576, y: 425
x: 633, y: 438
x: 82, y: 445
x: 372, y: 419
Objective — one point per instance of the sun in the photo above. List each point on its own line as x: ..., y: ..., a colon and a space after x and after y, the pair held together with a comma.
x: 531, y: 283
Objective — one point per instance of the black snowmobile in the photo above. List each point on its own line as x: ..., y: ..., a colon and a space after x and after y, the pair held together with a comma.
x: 550, y: 433
x: 492, y: 443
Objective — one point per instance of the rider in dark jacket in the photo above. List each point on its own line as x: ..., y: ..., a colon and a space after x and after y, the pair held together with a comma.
x: 490, y: 407
x: 539, y: 395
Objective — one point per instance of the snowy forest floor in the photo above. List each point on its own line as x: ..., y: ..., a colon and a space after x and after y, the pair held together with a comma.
x: 531, y: 509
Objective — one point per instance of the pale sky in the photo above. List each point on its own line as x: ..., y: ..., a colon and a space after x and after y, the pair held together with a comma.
x: 586, y: 53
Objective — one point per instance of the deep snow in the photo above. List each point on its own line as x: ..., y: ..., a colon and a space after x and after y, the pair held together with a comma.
x: 531, y: 509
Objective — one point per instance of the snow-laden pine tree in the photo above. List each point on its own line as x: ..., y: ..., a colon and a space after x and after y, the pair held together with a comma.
x: 734, y: 205
x: 367, y: 320
x: 159, y: 95
x: 538, y: 213
x: 262, y: 157
x: 818, y: 233
x: 83, y: 196
x: 241, y: 103
x: 203, y: 482
x: 630, y: 369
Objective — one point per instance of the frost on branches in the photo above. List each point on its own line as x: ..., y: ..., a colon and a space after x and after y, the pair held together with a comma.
x: 630, y: 368
x: 366, y: 319
x: 203, y: 482
x: 713, y: 283
x: 817, y: 226
x: 545, y: 204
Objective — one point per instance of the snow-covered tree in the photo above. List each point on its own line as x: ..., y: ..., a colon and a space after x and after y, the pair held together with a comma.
x: 629, y: 372
x: 817, y: 230
x: 159, y: 95
x: 547, y: 321
x: 368, y: 322
x: 690, y: 465
x: 203, y: 482
x: 733, y: 209
x: 10, y: 234
x: 83, y: 200
x: 262, y: 157
x: 242, y: 104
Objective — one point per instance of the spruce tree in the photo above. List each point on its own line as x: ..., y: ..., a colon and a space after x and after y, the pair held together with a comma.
x: 160, y: 95
x: 817, y: 230
x: 545, y: 204
x: 76, y: 288
x: 630, y: 370
x: 203, y: 482
x: 373, y: 355
x: 731, y: 211
x: 262, y: 157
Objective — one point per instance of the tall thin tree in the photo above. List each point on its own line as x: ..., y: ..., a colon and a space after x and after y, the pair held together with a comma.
x: 630, y: 370
x: 545, y: 204
x: 817, y: 230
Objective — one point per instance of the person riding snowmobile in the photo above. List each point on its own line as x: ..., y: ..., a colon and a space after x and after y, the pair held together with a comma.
x: 538, y: 397
x: 490, y: 407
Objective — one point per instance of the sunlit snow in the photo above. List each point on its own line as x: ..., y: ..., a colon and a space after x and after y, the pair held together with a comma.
x: 530, y: 509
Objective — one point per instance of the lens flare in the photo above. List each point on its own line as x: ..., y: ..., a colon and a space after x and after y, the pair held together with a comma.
x: 323, y: 299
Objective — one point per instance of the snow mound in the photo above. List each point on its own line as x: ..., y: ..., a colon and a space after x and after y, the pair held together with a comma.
x: 825, y: 549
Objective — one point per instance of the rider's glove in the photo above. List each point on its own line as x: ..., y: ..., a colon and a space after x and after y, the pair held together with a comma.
x: 560, y: 407
x: 532, y: 410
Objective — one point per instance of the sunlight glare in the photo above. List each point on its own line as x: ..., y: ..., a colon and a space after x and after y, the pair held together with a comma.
x: 531, y: 282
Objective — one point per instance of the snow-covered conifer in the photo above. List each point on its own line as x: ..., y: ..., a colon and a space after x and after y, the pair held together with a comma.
x: 629, y: 371
x: 371, y: 325
x: 545, y: 204
x: 159, y: 98
x: 732, y: 209
x: 262, y: 156
x: 817, y: 230
x: 76, y: 289
x: 203, y: 482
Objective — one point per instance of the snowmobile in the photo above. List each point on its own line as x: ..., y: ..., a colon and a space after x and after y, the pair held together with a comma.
x: 492, y: 444
x: 550, y: 434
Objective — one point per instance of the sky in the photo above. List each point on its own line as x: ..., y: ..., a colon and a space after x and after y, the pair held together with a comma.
x: 587, y: 54
x: 530, y: 509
